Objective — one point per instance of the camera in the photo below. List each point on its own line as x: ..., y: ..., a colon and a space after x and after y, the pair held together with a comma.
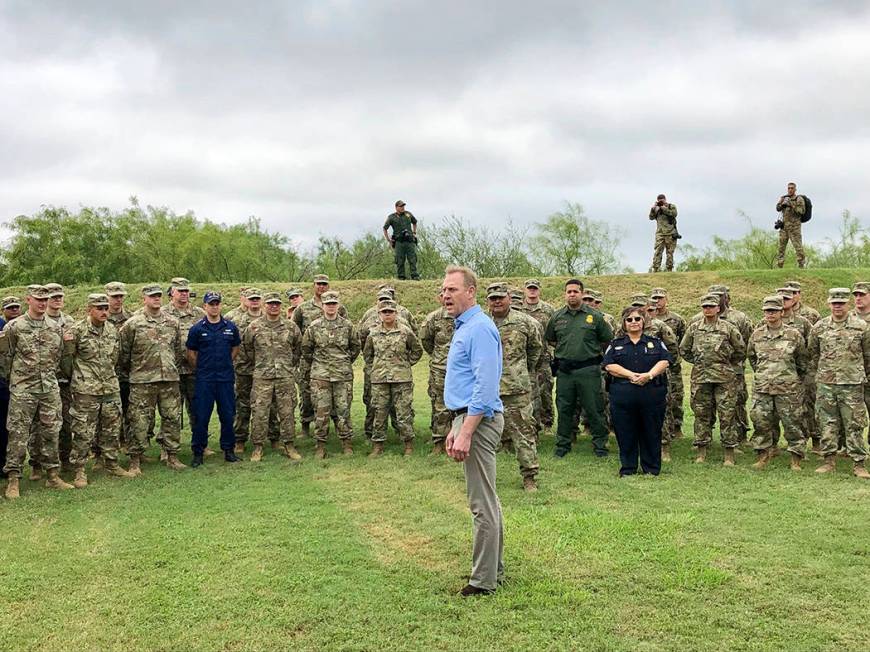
x: 778, y: 224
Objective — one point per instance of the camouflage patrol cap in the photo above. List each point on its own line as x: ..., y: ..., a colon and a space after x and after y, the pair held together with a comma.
x: 399, y: 202
x: 253, y: 293
x: 597, y: 295
x: 385, y: 295
x: 115, y: 289
x: 494, y: 290
x: 861, y: 287
x: 658, y: 293
x: 718, y: 289
x: 54, y: 289
x: 294, y: 292
x: 151, y: 290
x: 839, y: 295
x: 272, y: 297
x: 180, y: 283
x: 387, y: 306
x: 321, y: 278
x: 97, y: 300
x: 639, y: 300
x: 773, y: 302
x: 794, y: 285
x: 330, y: 297
x: 517, y: 296
x: 532, y: 283
x: 709, y: 300
x: 386, y: 287
x: 37, y: 291
x: 785, y: 293
x: 9, y: 302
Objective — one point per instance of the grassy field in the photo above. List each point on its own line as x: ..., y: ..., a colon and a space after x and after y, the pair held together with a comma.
x: 358, y: 554
x: 353, y: 554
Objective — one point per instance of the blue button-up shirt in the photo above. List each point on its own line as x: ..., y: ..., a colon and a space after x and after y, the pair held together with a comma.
x: 213, y: 344
x: 474, y: 365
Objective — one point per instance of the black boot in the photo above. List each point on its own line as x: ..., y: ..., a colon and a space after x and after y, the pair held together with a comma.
x: 230, y: 456
x: 197, y: 460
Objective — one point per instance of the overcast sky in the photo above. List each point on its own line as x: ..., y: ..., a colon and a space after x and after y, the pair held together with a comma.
x: 316, y: 116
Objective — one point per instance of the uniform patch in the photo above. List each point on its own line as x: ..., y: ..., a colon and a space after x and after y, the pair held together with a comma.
x: 589, y: 319
x: 649, y: 345
x: 619, y: 348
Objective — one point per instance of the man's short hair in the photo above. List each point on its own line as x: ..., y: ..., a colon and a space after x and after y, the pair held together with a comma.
x: 469, y: 278
x: 574, y: 281
x: 791, y: 183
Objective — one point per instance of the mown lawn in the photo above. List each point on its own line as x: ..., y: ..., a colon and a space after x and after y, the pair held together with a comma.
x: 368, y: 555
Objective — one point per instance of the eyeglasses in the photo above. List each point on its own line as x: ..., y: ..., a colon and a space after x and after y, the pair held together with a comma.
x: 633, y: 319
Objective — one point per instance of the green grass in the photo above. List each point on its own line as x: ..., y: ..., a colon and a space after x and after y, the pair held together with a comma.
x: 353, y: 554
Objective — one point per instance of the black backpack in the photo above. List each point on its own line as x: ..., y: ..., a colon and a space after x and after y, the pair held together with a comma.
x: 808, y: 213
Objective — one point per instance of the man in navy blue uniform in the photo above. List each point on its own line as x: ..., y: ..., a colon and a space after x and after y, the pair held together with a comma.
x: 212, y: 344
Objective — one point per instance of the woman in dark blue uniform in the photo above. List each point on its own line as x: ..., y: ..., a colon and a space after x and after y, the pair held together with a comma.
x: 638, y: 387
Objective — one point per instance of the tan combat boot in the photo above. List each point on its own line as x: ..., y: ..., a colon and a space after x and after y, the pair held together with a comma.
x: 135, y: 466
x: 35, y: 473
x: 666, y: 452
x: 438, y: 448
x: 529, y: 485
x: 702, y: 455
x: 762, y: 460
x: 291, y: 452
x: 320, y: 451
x: 240, y: 448
x: 729, y: 457
x: 118, y: 472
x: 54, y: 481
x: 829, y: 466
x: 377, y: 449
x: 257, y: 454
x: 174, y: 463
x: 409, y: 449
x: 81, y: 479
x: 795, y: 462
x: 346, y: 447
x: 12, y: 491
x: 860, y: 472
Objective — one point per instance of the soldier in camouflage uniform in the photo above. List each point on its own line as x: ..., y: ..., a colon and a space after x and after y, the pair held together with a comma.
x: 810, y: 314
x: 90, y: 357
x: 234, y: 314
x: 541, y: 311
x: 665, y: 217
x: 32, y: 346
x: 369, y: 319
x: 435, y: 335
x: 305, y: 313
x: 792, y: 206
x: 861, y: 292
x: 274, y: 345
x: 187, y: 315
x: 151, y: 347
x: 714, y: 347
x: 391, y: 349
x: 777, y: 354
x: 117, y: 315
x: 522, y: 348
x: 840, y: 360
x: 675, y: 373
x: 54, y: 312
x: 329, y: 347
x: 294, y: 296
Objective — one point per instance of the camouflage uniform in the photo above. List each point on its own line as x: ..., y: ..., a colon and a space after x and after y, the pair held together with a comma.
x: 32, y: 349
x: 391, y: 353
x: 714, y: 350
x: 117, y: 320
x: 676, y: 391
x: 329, y: 348
x: 187, y: 374
x: 840, y: 360
x: 778, y: 356
x: 92, y: 356
x: 151, y: 347
x: 541, y: 312
x: 666, y: 235
x: 64, y: 443
x: 792, y: 208
x: 864, y: 287
x: 435, y: 335
x: 274, y: 348
x: 305, y: 313
x: 522, y: 347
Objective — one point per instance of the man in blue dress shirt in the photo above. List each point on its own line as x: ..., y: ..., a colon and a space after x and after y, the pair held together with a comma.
x: 471, y: 389
x: 212, y: 344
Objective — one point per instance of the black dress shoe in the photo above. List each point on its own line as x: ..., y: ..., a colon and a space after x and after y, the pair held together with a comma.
x: 602, y: 453
x: 230, y: 456
x: 197, y: 460
x: 468, y: 590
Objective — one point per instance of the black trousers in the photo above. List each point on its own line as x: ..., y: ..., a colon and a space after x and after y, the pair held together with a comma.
x: 638, y: 413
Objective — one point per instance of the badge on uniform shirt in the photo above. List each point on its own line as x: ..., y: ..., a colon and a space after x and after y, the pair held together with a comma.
x: 650, y: 345
x: 589, y: 319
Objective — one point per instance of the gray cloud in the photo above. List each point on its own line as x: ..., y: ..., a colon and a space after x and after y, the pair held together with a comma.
x: 316, y: 116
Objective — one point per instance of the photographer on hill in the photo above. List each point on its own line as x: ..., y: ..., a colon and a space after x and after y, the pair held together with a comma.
x: 403, y: 240
x: 793, y: 207
x: 665, y: 216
